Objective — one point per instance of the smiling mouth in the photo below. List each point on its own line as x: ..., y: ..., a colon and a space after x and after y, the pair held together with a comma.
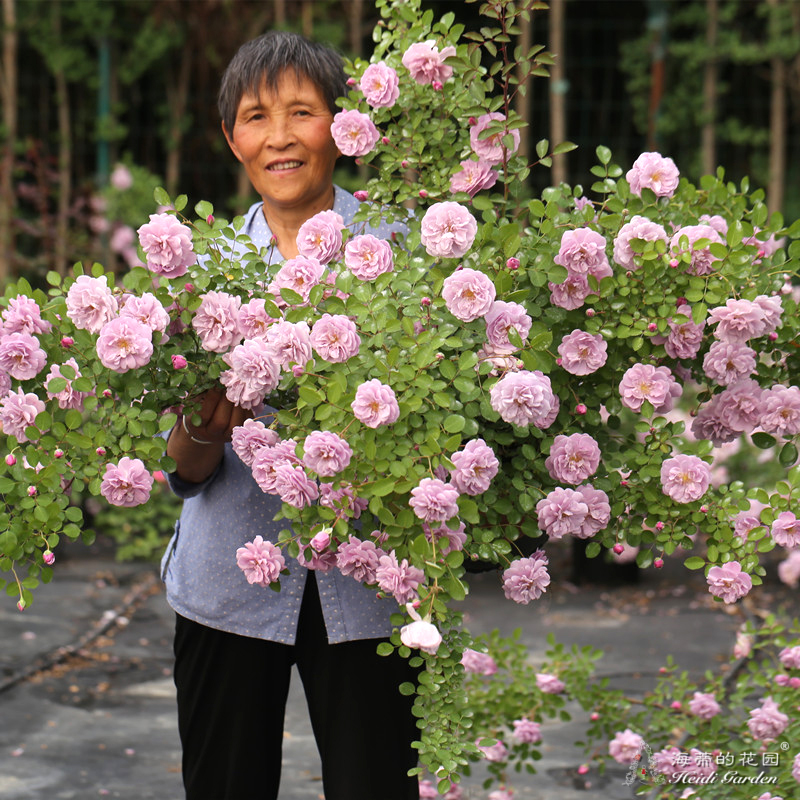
x: 283, y: 165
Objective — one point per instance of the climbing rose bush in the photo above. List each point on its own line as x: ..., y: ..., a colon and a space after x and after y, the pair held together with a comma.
x: 505, y: 372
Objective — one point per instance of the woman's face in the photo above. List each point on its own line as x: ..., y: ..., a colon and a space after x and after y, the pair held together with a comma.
x: 283, y: 139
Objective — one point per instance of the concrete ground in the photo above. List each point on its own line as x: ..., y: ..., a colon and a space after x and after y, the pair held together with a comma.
x: 87, y: 701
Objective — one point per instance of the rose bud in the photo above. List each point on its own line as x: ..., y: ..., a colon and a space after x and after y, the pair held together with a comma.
x: 619, y: 549
x: 67, y: 341
x: 58, y: 453
x: 178, y: 362
x: 658, y: 563
x: 31, y: 491
x: 580, y: 409
x: 512, y: 263
x: 11, y: 459
x: 48, y: 557
x: 361, y: 195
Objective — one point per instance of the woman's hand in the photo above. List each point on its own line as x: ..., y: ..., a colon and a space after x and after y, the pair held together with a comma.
x: 198, y: 449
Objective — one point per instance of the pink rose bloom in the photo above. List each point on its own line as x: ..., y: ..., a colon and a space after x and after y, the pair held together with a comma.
x: 718, y: 223
x: 253, y: 373
x: 582, y: 251
x: 473, y: 177
x: 124, y: 344
x: 500, y: 319
x: 785, y: 530
x: 790, y: 657
x: 737, y: 320
x: 434, y: 501
x: 573, y: 458
x: 625, y: 746
x: 354, y: 133
x: 526, y: 579
x: 491, y: 148
x: 562, y: 511
x: 121, y: 178
x: 685, y: 338
x: 740, y: 405
x: 23, y: 315
x: 217, y: 322
x: 599, y: 514
x: 90, y: 303
x: 704, y: 706
x: 685, y: 478
x: 744, y: 522
x: 780, y: 411
x: 300, y: 274
x: 293, y: 485
x: 653, y: 171
x: 526, y: 731
x: 261, y: 561
x: 446, y: 539
x: 477, y: 663
x: 326, y: 453
x: 523, y: 398
x: 18, y: 411
x: 335, y: 338
x: 375, y: 404
x: 317, y: 557
x: 167, y: 245
x: 320, y: 237
x: 468, y: 294
x: 380, y: 85
x: 711, y: 424
x: 146, y: 310
x: 5, y: 383
x: 728, y: 362
x: 426, y: 64
x: 21, y: 356
x: 702, y: 260
x: 549, y: 684
x: 728, y: 582
x: 448, y: 230
x: 570, y: 293
x: 768, y: 722
x: 789, y: 569
x: 638, y: 228
x: 126, y: 483
x: 644, y: 382
x: 247, y: 439
x: 475, y: 467
x: 796, y: 768
x: 359, y: 558
x: 743, y: 645
x: 494, y: 752
x: 398, y: 578
x: 343, y: 500
x: 773, y: 310
x: 67, y: 397
x: 254, y: 320
x: 268, y: 459
x: 582, y: 353
x: 501, y: 794
x: 427, y: 791
x: 422, y: 635
x: 289, y: 343
x: 367, y: 257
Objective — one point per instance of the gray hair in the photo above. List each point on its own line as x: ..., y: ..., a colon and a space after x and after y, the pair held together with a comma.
x: 264, y: 61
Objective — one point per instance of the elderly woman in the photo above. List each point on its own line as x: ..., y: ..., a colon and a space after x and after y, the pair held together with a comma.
x: 235, y: 643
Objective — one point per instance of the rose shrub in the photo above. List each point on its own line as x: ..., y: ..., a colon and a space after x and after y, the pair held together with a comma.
x: 509, y: 368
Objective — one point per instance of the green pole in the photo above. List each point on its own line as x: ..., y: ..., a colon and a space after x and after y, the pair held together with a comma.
x: 103, y: 111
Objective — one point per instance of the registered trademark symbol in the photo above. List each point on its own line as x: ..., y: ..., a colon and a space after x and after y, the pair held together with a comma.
x: 784, y: 745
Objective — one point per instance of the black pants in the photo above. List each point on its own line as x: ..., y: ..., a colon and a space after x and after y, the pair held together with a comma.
x: 232, y: 697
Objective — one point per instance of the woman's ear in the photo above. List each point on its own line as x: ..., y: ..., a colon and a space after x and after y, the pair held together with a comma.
x: 231, y: 143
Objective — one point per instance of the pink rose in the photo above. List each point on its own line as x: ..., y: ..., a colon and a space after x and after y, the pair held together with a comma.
x: 573, y: 458
x: 380, y: 85
x: 147, y: 310
x: 293, y: 486
x: 335, y: 338
x: 434, y: 501
x: 527, y: 578
x: 549, y: 684
x: 468, y: 294
x: 582, y: 251
x: 247, y: 439
x: 289, y: 343
x: 728, y: 582
x: 653, y: 171
x: 426, y: 64
x: 625, y: 746
x: 527, y: 731
x: 785, y: 530
x: 768, y: 722
x: 21, y: 356
x: 320, y: 236
x: 300, y: 274
x: 704, y: 706
x: 500, y: 319
x: 217, y: 321
x: 354, y: 133
x: 261, y: 561
x: 67, y: 397
x: 523, y: 398
x: 398, y: 578
x: 473, y: 177
x: 685, y: 478
x: 561, y: 512
x: 638, y: 228
x: 367, y: 257
x: 702, y: 259
x: 359, y: 559
x: 491, y: 148
x: 326, y: 453
x: 90, y: 303
x: 448, y: 230
x: 124, y: 344
x: 475, y: 467
x: 478, y: 663
x: 167, y: 245
x: 780, y: 410
x: 254, y: 320
x: 126, y: 483
x: 23, y: 315
x: 655, y: 385
x: 375, y: 404
x: 582, y: 353
x: 18, y: 411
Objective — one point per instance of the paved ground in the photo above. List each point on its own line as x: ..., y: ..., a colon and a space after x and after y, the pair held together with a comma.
x: 98, y: 719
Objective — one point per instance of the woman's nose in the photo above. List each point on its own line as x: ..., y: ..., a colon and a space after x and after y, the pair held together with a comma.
x: 279, y: 134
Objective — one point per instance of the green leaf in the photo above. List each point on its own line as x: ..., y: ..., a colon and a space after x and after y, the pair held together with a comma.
x: 161, y: 197
x: 763, y: 440
x: 564, y: 147
x: 788, y: 455
x: 454, y: 423
x: 694, y: 563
